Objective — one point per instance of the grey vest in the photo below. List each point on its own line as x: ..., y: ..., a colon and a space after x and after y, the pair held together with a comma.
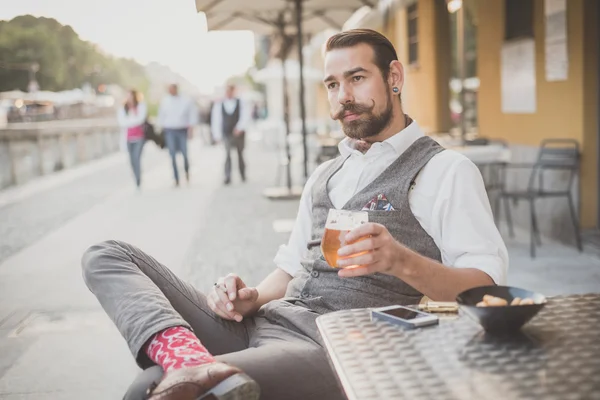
x: 318, y: 287
x: 230, y: 120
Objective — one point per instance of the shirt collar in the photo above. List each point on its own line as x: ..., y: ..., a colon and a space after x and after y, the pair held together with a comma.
x: 399, y: 142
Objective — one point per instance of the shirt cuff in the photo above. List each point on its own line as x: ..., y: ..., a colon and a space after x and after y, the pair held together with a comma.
x: 490, y: 264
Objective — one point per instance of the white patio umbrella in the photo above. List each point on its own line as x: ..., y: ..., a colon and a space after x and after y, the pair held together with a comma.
x: 284, y: 18
x: 275, y: 71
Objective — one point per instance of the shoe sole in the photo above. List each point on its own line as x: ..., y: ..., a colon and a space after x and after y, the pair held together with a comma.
x: 236, y: 387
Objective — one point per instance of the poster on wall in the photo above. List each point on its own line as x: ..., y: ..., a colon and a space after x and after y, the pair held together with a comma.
x: 518, y: 77
x: 557, y: 59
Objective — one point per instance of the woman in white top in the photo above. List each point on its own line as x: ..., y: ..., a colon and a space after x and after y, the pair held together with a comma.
x: 131, y: 118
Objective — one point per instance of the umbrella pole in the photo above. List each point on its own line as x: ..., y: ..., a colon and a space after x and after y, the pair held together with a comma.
x: 288, y: 192
x: 302, y: 103
x: 286, y: 120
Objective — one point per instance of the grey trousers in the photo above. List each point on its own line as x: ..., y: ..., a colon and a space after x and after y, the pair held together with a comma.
x: 238, y: 143
x: 280, y: 350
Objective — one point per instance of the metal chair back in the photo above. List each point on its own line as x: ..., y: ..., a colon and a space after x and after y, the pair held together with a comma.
x: 555, y: 155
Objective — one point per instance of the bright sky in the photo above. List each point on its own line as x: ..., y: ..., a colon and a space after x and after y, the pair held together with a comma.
x: 167, y: 31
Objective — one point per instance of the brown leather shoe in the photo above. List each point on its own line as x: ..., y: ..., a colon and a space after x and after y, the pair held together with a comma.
x: 214, y: 381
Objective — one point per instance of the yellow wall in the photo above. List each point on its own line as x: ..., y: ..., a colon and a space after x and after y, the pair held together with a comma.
x: 560, y: 105
x: 555, y: 100
x: 426, y: 90
x: 589, y: 167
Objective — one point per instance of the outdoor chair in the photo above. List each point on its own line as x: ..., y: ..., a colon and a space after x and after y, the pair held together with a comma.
x: 555, y: 155
x: 493, y: 172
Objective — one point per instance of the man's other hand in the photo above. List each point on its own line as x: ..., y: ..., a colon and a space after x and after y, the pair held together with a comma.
x: 372, y: 249
x: 231, y: 299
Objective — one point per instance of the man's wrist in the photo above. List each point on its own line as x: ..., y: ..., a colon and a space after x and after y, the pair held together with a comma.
x: 406, y: 262
x: 258, y: 303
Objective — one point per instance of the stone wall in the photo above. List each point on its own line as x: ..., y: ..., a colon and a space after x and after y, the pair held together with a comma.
x: 35, y: 151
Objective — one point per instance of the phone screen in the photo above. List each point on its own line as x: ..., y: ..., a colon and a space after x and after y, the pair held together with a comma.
x: 403, y: 313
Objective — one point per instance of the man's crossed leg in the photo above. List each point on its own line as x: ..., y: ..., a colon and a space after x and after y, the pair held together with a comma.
x: 144, y: 299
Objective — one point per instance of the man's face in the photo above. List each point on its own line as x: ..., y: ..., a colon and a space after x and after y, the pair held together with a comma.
x: 358, y: 95
x: 230, y: 92
x: 173, y: 90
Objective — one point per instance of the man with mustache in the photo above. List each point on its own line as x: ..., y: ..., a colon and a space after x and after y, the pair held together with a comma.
x: 436, y: 237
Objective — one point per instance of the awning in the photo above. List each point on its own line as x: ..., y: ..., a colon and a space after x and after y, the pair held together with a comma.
x: 317, y: 15
x: 267, y: 22
x: 375, y: 18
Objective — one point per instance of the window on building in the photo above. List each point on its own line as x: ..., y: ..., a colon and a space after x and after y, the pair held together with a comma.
x: 518, y: 19
x: 413, y: 38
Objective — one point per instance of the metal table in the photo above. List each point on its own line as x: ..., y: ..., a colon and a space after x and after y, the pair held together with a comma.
x: 556, y: 356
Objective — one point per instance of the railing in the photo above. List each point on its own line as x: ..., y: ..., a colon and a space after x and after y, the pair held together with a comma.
x: 35, y: 149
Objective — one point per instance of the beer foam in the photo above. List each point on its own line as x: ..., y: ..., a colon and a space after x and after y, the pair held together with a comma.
x: 344, y: 220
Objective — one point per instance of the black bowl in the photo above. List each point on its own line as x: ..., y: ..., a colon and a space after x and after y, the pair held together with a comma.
x: 500, y: 319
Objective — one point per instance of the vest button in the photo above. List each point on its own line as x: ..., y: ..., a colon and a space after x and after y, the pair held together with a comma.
x: 304, y: 294
x: 314, y: 274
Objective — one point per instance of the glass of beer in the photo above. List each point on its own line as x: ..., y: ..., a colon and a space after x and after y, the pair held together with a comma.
x: 339, y: 223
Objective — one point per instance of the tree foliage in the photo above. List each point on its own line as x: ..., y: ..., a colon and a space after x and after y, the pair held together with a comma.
x: 65, y: 61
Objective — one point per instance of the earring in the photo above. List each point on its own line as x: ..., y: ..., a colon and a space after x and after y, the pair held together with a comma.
x: 395, y: 90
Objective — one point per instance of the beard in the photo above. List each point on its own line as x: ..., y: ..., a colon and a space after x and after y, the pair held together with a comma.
x: 368, y: 124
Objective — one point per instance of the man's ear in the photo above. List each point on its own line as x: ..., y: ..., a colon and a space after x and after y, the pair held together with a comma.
x: 396, y: 76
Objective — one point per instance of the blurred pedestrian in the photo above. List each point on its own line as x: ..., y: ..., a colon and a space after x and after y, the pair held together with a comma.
x: 229, y: 121
x: 131, y: 118
x: 177, y: 116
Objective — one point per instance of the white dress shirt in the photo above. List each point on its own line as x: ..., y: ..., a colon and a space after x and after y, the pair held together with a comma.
x: 132, y: 119
x: 216, y: 118
x: 177, y: 112
x: 449, y: 201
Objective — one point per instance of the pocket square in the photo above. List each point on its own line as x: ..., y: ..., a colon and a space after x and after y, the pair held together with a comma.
x: 378, y: 203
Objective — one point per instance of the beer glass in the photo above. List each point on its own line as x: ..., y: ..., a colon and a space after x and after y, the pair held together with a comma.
x: 339, y: 223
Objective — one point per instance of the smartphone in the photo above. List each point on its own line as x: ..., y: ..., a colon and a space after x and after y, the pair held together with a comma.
x: 406, y: 317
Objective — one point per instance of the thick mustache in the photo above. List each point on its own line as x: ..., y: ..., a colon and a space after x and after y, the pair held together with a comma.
x: 354, y: 108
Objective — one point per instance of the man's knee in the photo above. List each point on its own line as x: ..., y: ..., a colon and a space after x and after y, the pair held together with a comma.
x: 99, y: 257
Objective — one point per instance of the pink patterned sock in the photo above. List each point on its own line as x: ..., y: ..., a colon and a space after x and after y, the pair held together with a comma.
x: 176, y: 348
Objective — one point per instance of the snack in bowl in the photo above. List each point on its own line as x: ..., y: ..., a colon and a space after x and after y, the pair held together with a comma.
x: 493, y: 301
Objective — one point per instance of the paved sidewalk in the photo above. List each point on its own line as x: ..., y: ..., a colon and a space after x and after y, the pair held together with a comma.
x: 557, y: 269
x: 55, y: 341
x: 30, y: 212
